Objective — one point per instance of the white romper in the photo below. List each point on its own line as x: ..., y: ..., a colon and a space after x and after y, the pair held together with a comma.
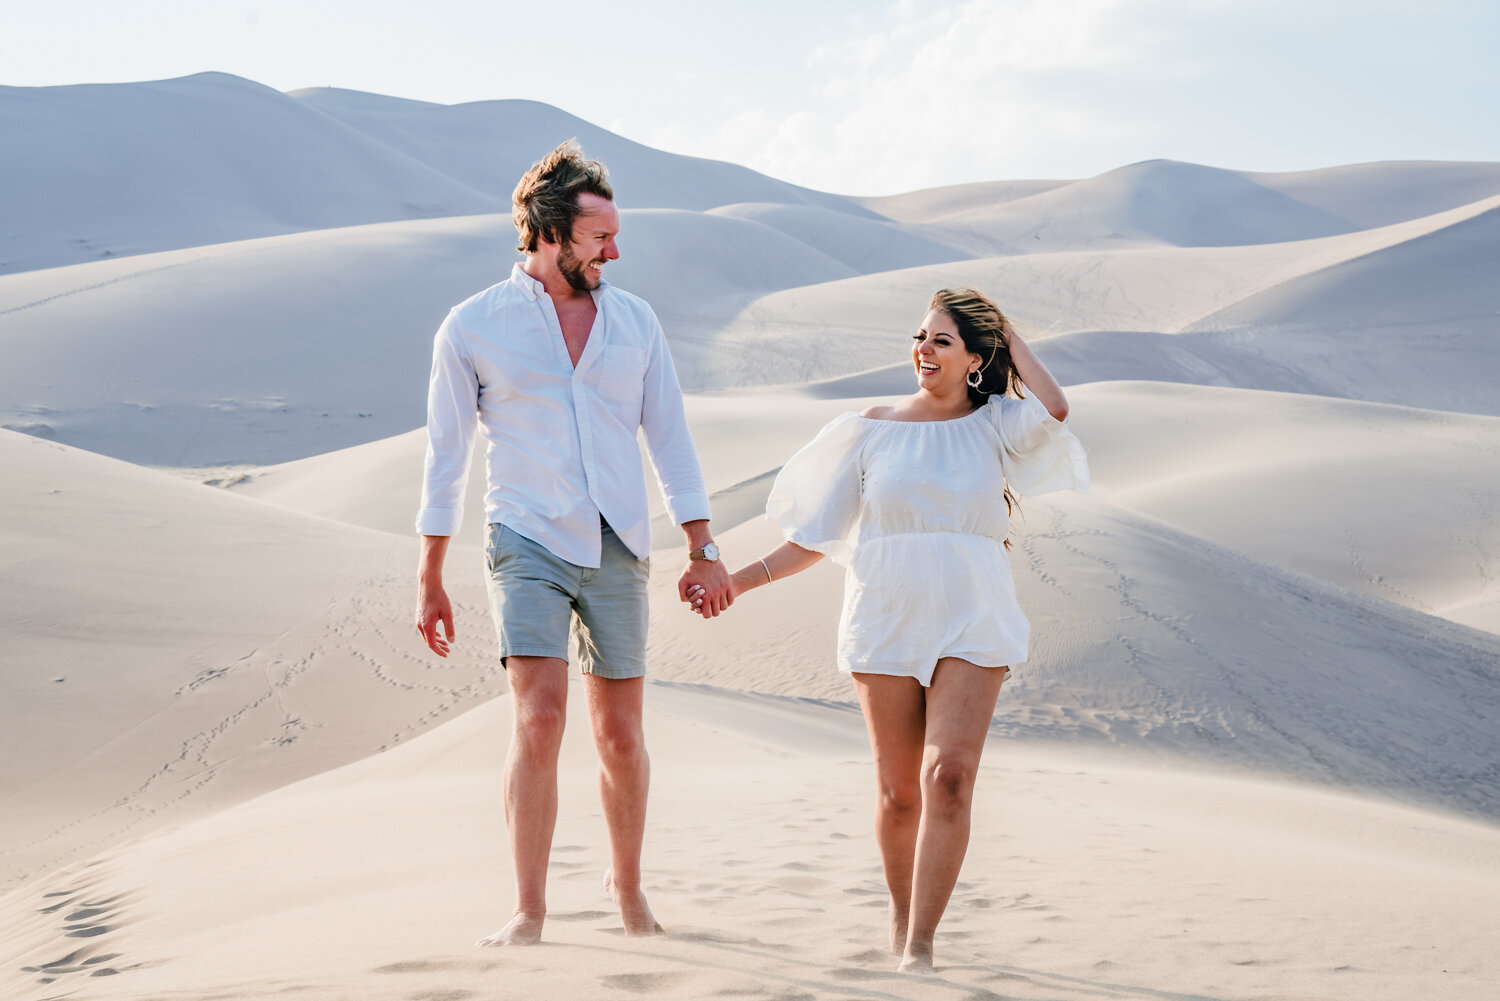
x: 915, y: 513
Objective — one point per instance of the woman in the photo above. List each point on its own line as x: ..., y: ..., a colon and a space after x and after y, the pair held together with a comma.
x: 914, y: 499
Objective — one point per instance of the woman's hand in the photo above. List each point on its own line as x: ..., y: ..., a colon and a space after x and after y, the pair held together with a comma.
x: 737, y: 586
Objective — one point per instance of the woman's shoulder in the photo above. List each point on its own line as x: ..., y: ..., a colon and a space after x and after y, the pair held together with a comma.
x: 877, y: 412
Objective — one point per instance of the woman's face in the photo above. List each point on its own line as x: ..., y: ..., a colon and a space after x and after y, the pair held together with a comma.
x: 942, y: 362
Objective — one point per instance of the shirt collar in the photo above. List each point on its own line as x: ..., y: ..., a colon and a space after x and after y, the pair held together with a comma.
x: 525, y: 282
x: 534, y: 288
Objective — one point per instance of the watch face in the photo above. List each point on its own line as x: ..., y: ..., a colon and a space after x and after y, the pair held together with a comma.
x: 711, y: 552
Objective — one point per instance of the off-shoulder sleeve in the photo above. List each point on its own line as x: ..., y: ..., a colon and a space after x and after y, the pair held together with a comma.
x: 816, y: 496
x: 1038, y: 452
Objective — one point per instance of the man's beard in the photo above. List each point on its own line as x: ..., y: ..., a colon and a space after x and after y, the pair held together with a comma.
x: 573, y: 271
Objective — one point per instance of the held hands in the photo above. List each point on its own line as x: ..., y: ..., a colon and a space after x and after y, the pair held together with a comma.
x: 738, y: 585
x: 706, y: 587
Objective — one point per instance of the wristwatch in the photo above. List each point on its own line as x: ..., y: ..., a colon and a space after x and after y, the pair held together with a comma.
x: 709, y: 552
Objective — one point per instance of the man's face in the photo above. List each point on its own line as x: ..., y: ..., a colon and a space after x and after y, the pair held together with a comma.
x: 582, y: 258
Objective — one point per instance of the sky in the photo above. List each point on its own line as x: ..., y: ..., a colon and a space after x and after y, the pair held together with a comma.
x: 858, y: 97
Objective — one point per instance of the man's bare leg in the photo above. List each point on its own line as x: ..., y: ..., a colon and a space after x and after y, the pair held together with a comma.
x: 624, y: 781
x: 539, y: 696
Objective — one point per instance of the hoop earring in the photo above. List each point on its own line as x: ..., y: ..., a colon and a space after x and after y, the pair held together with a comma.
x: 974, y: 379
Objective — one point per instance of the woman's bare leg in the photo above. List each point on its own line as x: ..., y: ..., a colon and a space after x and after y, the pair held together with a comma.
x: 960, y: 704
x: 894, y: 711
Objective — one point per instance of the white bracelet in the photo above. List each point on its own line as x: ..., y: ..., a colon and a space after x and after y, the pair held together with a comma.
x: 767, y: 569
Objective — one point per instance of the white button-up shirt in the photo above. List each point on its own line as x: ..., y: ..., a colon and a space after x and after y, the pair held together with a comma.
x: 561, y: 441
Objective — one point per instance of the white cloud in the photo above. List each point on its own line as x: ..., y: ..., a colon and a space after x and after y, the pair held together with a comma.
x: 939, y: 95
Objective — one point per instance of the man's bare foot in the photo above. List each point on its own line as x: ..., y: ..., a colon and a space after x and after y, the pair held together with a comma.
x: 915, y: 962
x: 634, y: 911
x: 898, y: 930
x: 521, y: 929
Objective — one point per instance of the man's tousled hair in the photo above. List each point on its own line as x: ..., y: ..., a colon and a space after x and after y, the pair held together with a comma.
x: 545, y: 202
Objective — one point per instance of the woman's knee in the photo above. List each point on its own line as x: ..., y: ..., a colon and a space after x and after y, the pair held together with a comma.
x: 948, y: 781
x: 899, y: 795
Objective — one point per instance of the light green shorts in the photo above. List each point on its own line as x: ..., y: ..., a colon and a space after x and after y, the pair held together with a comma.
x: 536, y: 598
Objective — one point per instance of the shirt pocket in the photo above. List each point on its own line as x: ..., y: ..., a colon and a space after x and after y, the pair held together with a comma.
x: 621, y: 382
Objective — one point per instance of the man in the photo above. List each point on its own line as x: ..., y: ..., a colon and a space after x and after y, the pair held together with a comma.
x: 560, y: 370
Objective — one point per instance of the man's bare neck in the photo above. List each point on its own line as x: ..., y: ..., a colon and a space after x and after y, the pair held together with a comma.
x: 553, y: 282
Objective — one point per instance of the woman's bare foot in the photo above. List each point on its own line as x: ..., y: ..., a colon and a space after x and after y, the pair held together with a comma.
x: 916, y: 960
x: 521, y: 929
x: 634, y: 911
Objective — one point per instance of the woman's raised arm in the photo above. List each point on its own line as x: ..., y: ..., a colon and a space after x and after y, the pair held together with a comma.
x: 1037, y: 378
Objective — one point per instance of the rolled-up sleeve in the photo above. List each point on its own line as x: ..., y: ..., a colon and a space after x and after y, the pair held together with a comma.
x: 452, y: 415
x: 668, y: 440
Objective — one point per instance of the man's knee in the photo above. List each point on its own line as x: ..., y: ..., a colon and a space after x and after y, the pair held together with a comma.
x: 540, y: 723
x: 620, y: 740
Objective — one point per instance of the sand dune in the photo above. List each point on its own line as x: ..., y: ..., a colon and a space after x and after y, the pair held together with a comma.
x: 213, y: 158
x: 1113, y: 314
x: 1379, y: 194
x: 1393, y: 502
x: 1155, y: 202
x: 1379, y: 499
x: 1134, y: 672
x: 489, y: 144
x: 1186, y: 650
x: 865, y: 245
x: 378, y: 485
x: 1411, y: 324
x: 936, y: 205
x: 284, y: 347
x: 204, y: 159
x: 1086, y: 879
x: 171, y: 650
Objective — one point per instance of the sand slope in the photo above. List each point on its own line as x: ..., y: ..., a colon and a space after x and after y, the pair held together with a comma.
x: 1085, y: 879
x: 172, y: 649
x: 489, y: 144
x: 108, y: 170
x: 1390, y: 501
x: 1158, y: 201
x: 1378, y: 194
x: 272, y: 349
x: 1185, y: 650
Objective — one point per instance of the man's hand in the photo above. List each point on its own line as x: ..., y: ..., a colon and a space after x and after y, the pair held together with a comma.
x: 433, y: 607
x: 705, y: 586
x: 432, y: 601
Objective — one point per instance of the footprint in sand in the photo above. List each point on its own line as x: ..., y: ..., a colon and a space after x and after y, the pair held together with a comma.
x: 643, y: 983
x: 860, y: 973
x: 580, y: 916
x: 418, y: 966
